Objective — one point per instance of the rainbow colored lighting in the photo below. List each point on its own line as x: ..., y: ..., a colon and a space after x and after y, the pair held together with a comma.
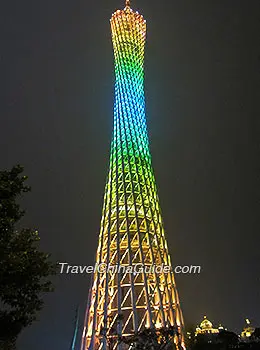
x: 132, y: 233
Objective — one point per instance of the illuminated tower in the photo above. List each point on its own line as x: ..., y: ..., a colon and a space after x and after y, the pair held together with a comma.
x: 132, y: 233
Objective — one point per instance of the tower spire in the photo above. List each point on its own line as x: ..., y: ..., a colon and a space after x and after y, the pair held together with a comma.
x: 127, y: 3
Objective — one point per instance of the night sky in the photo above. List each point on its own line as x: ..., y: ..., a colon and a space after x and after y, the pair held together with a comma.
x: 203, y: 103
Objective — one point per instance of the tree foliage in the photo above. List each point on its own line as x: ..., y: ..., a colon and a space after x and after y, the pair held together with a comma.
x: 153, y: 339
x: 256, y: 334
x: 147, y: 339
x: 229, y: 339
x: 24, y: 269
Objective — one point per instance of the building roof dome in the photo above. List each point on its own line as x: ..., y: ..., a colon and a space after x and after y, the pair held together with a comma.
x: 206, y: 324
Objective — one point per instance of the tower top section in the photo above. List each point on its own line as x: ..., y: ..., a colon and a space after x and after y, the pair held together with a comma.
x: 128, y: 13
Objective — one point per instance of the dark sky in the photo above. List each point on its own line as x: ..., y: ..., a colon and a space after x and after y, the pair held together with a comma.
x: 203, y: 104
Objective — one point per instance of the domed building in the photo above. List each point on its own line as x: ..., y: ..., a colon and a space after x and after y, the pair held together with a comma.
x: 247, y: 331
x: 206, y: 327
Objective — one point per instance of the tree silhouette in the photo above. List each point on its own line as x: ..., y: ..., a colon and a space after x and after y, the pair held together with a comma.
x: 24, y: 269
x: 228, y: 339
x: 152, y: 339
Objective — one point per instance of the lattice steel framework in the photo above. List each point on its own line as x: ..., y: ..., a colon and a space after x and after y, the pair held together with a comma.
x: 122, y: 303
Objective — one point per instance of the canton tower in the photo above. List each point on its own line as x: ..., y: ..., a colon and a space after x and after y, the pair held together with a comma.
x: 122, y: 303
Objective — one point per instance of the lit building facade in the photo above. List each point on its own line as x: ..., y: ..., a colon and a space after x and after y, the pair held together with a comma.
x: 207, y: 333
x: 132, y: 234
x: 247, y: 331
x: 206, y: 327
